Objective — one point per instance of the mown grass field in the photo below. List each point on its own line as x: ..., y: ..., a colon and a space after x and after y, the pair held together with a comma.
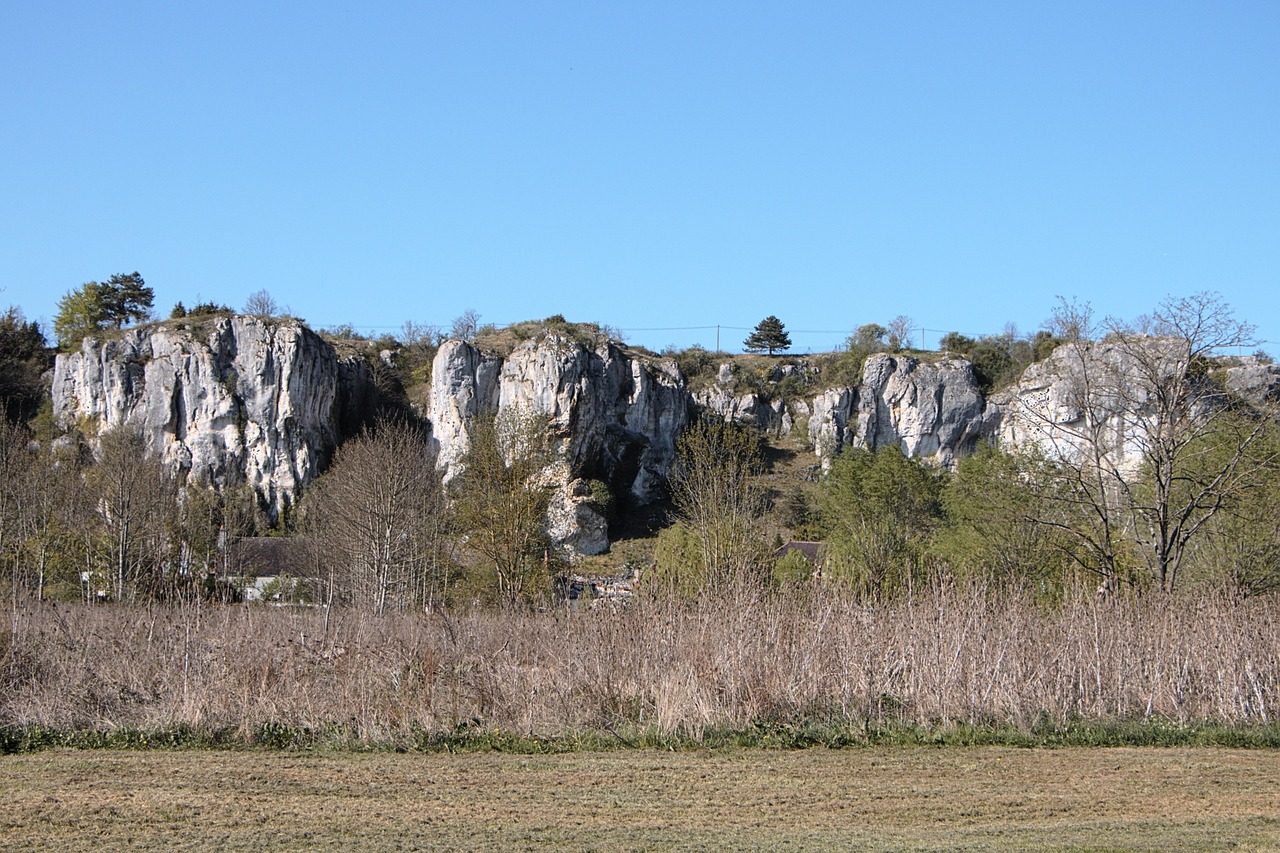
x: 864, y: 798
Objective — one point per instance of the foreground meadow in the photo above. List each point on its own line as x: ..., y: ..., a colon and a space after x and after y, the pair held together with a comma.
x: 641, y: 728
x: 877, y: 798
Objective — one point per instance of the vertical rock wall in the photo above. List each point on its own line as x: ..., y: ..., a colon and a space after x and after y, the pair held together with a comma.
x: 931, y: 411
x: 613, y: 417
x: 240, y: 400
x: 223, y: 400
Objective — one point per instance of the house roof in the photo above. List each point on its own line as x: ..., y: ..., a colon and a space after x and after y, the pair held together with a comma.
x: 810, y: 550
x: 269, y: 556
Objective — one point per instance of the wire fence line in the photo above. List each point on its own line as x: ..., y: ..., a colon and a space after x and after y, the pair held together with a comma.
x: 716, y: 337
x: 724, y: 338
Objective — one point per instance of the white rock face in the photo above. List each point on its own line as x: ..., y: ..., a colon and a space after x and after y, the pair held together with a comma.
x: 750, y: 409
x: 1254, y: 381
x: 464, y: 383
x: 931, y: 411
x: 613, y: 418
x: 658, y: 408
x: 1083, y: 399
x: 573, y: 522
x: 243, y: 400
x: 829, y: 430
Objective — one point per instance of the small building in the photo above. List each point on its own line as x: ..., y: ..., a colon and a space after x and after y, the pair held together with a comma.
x: 272, y: 568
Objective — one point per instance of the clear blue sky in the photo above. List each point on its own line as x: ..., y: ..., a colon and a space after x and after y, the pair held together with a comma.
x: 652, y: 166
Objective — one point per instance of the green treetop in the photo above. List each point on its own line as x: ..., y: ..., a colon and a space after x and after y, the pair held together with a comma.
x: 95, y: 306
x: 769, y: 335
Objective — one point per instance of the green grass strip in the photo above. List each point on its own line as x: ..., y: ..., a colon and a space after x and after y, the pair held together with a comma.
x: 21, y: 739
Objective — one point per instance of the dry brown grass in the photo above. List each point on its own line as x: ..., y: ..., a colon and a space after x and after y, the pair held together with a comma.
x: 901, y: 798
x: 944, y: 655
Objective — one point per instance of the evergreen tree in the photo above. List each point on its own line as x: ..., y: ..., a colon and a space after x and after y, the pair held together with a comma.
x: 769, y: 335
x: 128, y: 298
x: 95, y: 306
x: 22, y: 360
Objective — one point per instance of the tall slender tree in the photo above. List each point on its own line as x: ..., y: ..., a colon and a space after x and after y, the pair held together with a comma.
x: 501, y: 499
x: 714, y: 489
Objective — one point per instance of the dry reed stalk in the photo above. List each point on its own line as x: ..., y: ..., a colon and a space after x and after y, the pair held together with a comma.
x: 947, y: 654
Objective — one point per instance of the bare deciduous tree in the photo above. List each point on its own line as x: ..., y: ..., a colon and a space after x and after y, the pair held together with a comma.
x: 899, y: 332
x: 377, y: 518
x: 134, y: 494
x: 54, y: 503
x: 261, y: 304
x: 1156, y: 447
x: 414, y: 334
x: 465, y: 325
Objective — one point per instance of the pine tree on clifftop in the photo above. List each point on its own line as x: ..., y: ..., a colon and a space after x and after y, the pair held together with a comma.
x: 769, y: 335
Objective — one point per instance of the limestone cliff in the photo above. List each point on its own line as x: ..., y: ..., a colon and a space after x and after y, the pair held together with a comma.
x: 1045, y: 410
x: 1109, y: 398
x: 226, y: 400
x: 614, y: 417
x: 931, y: 411
x: 749, y: 408
x: 1254, y: 380
x: 1091, y: 398
x: 232, y: 400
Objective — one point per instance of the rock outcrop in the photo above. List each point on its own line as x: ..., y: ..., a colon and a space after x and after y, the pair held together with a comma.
x: 613, y: 417
x: 749, y: 408
x: 931, y: 411
x: 574, y: 520
x: 1254, y: 380
x: 1045, y: 410
x: 241, y: 400
x: 464, y: 383
x: 226, y: 401
x: 1095, y: 398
